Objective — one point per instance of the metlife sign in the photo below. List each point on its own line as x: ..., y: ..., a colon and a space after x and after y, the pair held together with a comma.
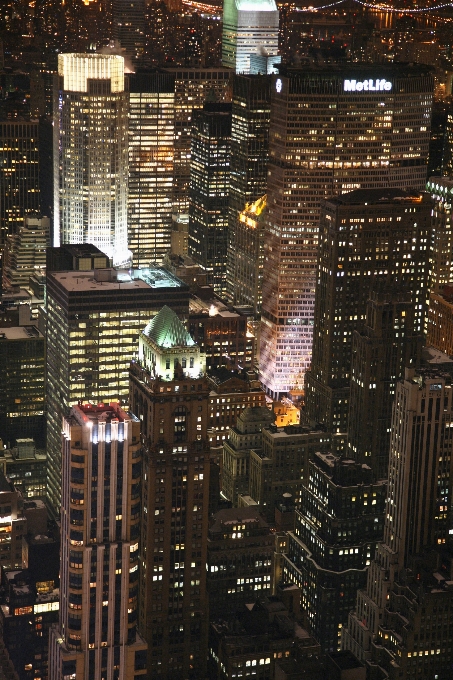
x: 379, y: 85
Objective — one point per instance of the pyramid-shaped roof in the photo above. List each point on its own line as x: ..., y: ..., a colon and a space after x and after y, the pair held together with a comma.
x: 166, y: 330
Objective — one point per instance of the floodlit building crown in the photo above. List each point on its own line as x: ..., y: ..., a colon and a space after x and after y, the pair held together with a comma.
x: 77, y: 69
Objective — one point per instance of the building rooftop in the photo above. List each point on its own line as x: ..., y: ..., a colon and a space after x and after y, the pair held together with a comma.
x: 167, y: 330
x: 379, y: 196
x: 254, y: 414
x: 20, y: 333
x: 112, y: 279
x: 211, y: 307
x: 84, y: 413
x: 233, y: 516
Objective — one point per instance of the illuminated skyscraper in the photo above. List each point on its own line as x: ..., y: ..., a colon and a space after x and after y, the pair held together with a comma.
x: 100, y: 532
x: 208, y: 193
x: 250, y: 27
x: 170, y: 395
x: 93, y: 322
x: 248, y: 183
x: 441, y: 190
x: 332, y: 130
x: 91, y: 154
x: 151, y: 160
x: 399, y: 626
x: 366, y: 237
x: 193, y: 88
x: 19, y: 174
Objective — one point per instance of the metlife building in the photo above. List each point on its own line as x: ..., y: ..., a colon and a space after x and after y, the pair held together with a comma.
x: 333, y: 129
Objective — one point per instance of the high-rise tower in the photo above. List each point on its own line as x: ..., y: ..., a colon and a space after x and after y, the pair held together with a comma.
x: 332, y: 130
x: 400, y: 625
x: 208, y: 193
x: 248, y: 182
x: 91, y: 154
x: 171, y: 397
x: 100, y: 532
x: 151, y: 161
x: 250, y: 27
x: 129, y: 26
x: 366, y: 237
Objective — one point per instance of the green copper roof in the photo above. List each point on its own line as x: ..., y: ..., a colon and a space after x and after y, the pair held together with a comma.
x: 166, y: 330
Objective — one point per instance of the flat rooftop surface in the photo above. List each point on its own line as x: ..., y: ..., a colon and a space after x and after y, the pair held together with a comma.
x: 124, y: 280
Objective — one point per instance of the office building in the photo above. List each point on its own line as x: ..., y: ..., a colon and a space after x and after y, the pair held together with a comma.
x: 84, y: 257
x: 169, y: 394
x: 25, y: 252
x: 85, y: 310
x: 221, y: 331
x: 193, y: 88
x: 239, y: 562
x: 22, y: 373
x: 208, y: 191
x: 231, y: 392
x: 337, y: 526
x: 253, y: 641
x: 91, y: 154
x: 19, y: 174
x: 96, y: 636
x: 366, y: 237
x: 27, y: 614
x: 441, y: 189
x: 333, y: 129
x: 242, y: 438
x: 13, y: 547
x: 249, y: 28
x: 26, y: 467
x: 151, y: 161
x: 281, y: 465
x: 246, y: 256
x: 381, y: 350
x: 129, y: 27
x: 248, y: 182
x: 400, y: 625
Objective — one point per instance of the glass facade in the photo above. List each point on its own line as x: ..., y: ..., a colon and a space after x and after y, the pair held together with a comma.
x: 208, y: 192
x: 250, y: 27
x: 324, y: 140
x: 151, y: 166
x: 91, y: 154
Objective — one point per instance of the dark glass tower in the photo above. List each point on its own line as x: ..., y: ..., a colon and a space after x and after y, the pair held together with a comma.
x: 248, y: 182
x: 208, y: 194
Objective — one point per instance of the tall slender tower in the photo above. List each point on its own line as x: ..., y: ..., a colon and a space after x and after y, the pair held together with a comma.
x: 250, y: 27
x: 332, y: 130
x: 100, y: 532
x: 91, y: 154
x: 151, y: 160
x: 251, y: 109
x: 171, y: 395
x: 208, y: 193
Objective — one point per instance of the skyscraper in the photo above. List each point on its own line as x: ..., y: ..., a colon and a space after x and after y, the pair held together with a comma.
x: 171, y: 396
x: 401, y: 621
x: 208, y: 192
x: 441, y: 190
x: 250, y: 27
x: 25, y: 251
x: 332, y: 130
x: 381, y: 350
x: 129, y: 26
x: 193, y: 88
x: 336, y: 530
x: 151, y: 165
x: 366, y: 237
x: 19, y: 174
x: 93, y: 322
x: 100, y: 545
x: 91, y: 154
x: 248, y: 183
